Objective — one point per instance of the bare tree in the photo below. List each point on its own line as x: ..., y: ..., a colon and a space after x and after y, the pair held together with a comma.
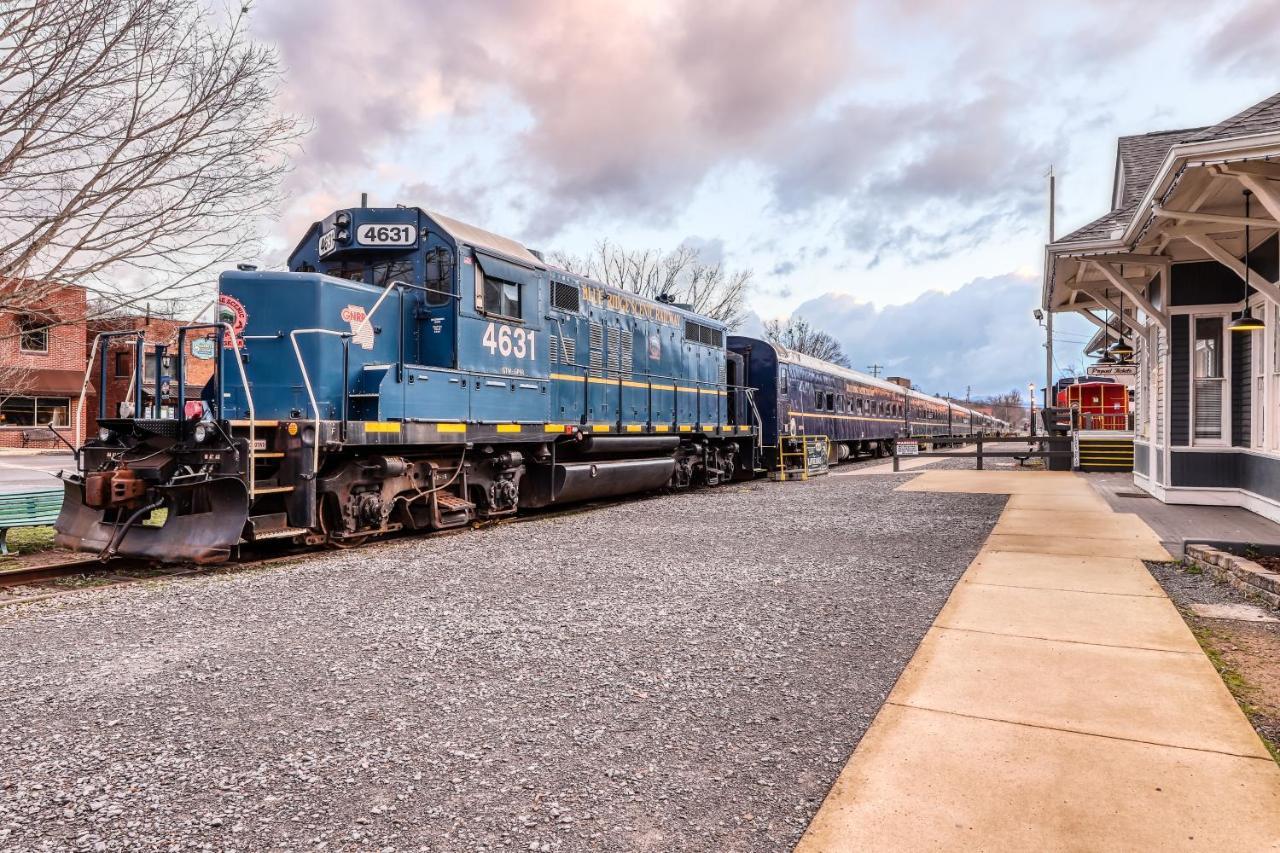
x: 796, y: 334
x: 1011, y: 406
x: 680, y: 276
x: 138, y: 146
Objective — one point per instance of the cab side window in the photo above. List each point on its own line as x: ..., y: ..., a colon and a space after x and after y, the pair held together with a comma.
x: 500, y: 297
x: 439, y: 276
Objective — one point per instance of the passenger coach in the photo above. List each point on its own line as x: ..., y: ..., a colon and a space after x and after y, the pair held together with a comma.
x: 797, y: 395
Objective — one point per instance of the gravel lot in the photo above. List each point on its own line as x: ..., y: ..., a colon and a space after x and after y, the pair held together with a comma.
x: 682, y: 673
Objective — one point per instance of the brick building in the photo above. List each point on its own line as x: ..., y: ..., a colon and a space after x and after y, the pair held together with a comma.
x: 42, y: 362
x: 44, y: 350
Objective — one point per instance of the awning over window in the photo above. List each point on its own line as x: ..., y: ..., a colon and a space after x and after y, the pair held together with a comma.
x: 47, y: 382
x: 505, y: 270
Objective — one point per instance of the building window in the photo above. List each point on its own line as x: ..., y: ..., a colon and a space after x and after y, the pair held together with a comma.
x: 34, y: 411
x: 124, y: 365
x: 33, y: 335
x: 501, y: 298
x: 1208, y: 383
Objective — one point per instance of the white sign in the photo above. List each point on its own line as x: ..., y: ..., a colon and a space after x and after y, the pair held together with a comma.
x: 1113, y: 370
x: 373, y: 234
x: 328, y: 242
x: 908, y: 448
x: 203, y: 348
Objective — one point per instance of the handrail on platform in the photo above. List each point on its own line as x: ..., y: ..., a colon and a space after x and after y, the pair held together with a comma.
x: 979, y: 455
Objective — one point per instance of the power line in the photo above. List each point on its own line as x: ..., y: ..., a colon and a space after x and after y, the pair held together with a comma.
x: 875, y: 370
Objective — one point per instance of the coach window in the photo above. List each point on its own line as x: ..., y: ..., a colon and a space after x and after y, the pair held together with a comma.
x: 817, y: 401
x: 782, y: 380
x: 839, y: 402
x: 831, y: 402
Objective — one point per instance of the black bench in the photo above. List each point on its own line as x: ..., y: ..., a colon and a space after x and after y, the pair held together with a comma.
x: 27, y: 509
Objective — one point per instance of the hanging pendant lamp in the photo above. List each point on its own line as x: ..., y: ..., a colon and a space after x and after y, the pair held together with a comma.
x: 1107, y: 357
x: 1247, y: 322
x: 1121, y: 350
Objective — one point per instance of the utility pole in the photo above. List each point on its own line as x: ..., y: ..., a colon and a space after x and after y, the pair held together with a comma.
x: 875, y: 369
x: 1048, y: 309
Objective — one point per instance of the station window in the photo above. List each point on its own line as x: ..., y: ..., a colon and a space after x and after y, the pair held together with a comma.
x: 500, y: 297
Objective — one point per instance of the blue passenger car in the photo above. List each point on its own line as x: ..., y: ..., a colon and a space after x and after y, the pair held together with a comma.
x: 797, y: 395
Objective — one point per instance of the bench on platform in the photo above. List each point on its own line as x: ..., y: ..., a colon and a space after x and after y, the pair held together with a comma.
x: 41, y: 434
x: 27, y: 509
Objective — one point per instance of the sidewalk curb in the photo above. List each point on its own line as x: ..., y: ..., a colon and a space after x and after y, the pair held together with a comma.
x: 1241, y: 573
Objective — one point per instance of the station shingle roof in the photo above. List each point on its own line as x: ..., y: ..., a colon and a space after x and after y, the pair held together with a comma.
x: 1137, y: 160
x: 1262, y: 117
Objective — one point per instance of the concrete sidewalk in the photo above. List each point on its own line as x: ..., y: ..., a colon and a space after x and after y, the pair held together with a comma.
x: 1059, y: 702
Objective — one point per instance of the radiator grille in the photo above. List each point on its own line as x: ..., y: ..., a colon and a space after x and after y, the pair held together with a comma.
x: 596, y: 350
x: 627, y: 344
x: 564, y: 296
x: 615, y: 349
x: 563, y: 350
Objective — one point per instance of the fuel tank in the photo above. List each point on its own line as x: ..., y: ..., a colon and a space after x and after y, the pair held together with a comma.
x: 566, y: 482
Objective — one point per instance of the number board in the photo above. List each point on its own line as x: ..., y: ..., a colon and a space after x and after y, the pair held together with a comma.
x: 386, y: 234
x: 327, y: 243
x: 908, y: 448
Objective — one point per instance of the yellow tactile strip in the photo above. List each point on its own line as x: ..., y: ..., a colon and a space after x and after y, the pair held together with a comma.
x: 1058, y: 702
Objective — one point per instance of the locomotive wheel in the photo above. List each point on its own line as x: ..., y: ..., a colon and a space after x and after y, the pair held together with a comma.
x: 346, y: 543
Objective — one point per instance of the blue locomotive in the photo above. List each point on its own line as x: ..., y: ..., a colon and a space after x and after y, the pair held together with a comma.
x: 800, y: 395
x: 409, y: 372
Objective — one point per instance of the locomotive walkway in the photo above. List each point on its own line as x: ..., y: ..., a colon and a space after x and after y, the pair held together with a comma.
x: 1059, y: 702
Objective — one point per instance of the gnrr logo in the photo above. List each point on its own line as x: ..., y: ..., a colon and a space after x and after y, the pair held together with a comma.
x: 231, y: 311
x: 361, y: 329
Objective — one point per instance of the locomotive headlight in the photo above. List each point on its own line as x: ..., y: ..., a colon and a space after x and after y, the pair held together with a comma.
x: 104, y: 434
x: 342, y: 220
x: 200, y: 433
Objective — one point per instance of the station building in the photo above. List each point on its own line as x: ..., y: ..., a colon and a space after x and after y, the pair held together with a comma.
x: 1184, y: 268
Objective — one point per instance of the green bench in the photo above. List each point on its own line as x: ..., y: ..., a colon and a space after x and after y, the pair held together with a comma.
x: 27, y: 509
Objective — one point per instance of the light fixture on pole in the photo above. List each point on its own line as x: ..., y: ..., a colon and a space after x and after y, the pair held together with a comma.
x: 1247, y: 322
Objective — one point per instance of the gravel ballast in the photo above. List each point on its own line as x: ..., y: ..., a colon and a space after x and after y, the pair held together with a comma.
x: 688, y: 672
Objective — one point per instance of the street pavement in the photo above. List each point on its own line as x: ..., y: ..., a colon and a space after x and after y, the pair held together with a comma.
x: 29, y: 472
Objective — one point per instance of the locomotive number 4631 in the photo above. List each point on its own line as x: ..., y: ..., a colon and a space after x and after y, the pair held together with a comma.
x: 373, y: 234
x: 501, y: 339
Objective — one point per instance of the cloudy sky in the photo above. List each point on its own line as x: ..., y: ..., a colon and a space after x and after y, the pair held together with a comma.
x: 879, y: 166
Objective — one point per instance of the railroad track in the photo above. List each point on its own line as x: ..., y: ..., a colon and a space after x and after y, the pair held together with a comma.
x: 114, y: 572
